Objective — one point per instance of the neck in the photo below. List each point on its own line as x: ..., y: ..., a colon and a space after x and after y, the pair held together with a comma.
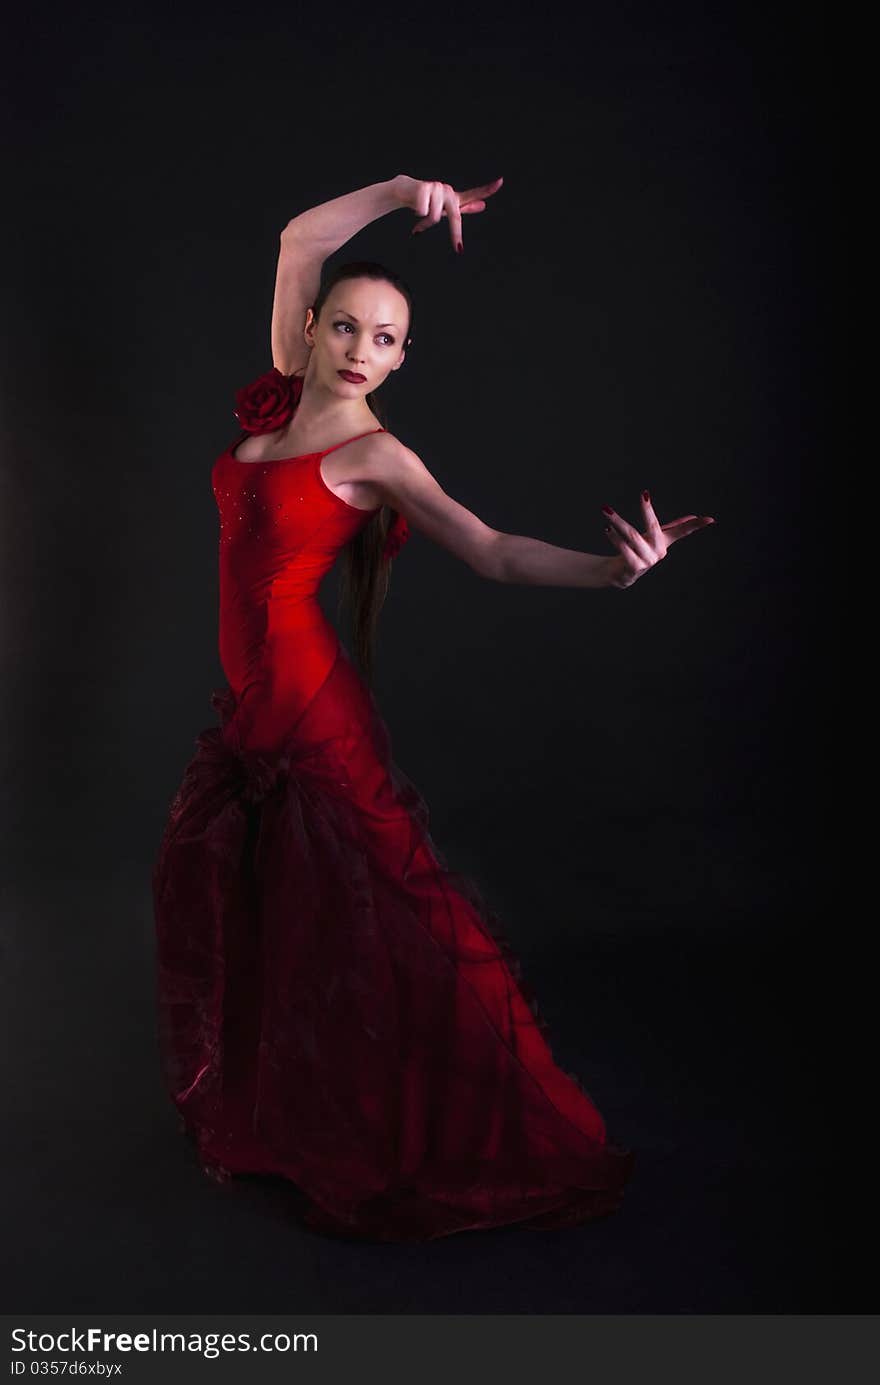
x: 321, y: 409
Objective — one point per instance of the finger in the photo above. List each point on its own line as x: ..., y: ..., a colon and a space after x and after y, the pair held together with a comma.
x: 632, y: 536
x: 689, y: 525
x: 422, y: 205
x: 633, y: 565
x: 434, y: 194
x: 488, y: 189
x: 649, y: 512
x: 484, y: 190
x: 450, y: 203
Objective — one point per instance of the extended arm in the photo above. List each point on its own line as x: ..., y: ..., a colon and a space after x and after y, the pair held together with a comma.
x: 404, y: 482
x: 538, y: 564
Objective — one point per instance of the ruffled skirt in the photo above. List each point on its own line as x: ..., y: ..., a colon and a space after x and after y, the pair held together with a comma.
x: 338, y: 1007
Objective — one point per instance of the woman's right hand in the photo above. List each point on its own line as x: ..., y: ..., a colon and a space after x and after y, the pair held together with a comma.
x: 430, y: 201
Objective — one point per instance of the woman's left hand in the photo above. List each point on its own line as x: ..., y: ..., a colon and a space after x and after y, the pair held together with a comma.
x: 636, y: 552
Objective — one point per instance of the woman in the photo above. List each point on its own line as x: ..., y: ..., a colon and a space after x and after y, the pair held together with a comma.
x: 336, y: 1006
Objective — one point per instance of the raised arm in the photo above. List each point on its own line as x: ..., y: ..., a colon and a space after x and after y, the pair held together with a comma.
x: 306, y: 242
x: 309, y: 238
x: 404, y: 482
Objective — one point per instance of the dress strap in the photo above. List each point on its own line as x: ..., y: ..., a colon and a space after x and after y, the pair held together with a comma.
x: 354, y: 439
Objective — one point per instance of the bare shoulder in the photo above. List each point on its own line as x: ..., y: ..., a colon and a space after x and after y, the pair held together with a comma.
x: 386, y: 449
x: 400, y: 478
x: 389, y: 462
x: 365, y: 472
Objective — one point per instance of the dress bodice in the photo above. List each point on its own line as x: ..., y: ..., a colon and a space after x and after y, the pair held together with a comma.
x: 281, y: 530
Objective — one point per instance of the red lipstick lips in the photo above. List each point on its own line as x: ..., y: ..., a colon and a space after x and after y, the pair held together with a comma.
x: 353, y: 376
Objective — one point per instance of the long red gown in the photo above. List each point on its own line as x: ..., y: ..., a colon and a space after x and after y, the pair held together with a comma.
x: 335, y: 1005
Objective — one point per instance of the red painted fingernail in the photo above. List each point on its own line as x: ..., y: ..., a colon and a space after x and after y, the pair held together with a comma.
x: 607, y: 510
x: 459, y: 247
x: 645, y: 495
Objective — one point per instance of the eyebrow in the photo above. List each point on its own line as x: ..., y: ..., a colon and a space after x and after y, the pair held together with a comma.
x: 354, y: 319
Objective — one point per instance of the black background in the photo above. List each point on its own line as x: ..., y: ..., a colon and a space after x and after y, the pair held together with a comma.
x: 633, y: 777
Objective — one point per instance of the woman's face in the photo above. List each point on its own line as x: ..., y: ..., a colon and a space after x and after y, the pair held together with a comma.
x: 362, y: 330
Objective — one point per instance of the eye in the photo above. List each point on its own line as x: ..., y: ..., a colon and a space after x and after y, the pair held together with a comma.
x: 342, y: 323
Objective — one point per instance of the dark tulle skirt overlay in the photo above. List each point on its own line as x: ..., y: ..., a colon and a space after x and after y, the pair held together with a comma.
x: 338, y: 1007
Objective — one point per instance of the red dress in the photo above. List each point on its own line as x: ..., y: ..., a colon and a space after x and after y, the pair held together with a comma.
x: 335, y: 1005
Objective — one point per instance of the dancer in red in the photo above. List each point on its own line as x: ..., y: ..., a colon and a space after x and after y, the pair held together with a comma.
x: 335, y: 1005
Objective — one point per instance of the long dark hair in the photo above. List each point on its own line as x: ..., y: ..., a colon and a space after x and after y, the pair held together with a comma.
x: 365, y: 575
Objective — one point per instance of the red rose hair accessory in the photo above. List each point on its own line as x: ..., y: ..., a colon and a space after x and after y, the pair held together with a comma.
x: 395, y: 538
x: 268, y: 402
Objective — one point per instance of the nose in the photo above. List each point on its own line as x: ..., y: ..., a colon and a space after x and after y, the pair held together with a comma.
x: 356, y: 353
